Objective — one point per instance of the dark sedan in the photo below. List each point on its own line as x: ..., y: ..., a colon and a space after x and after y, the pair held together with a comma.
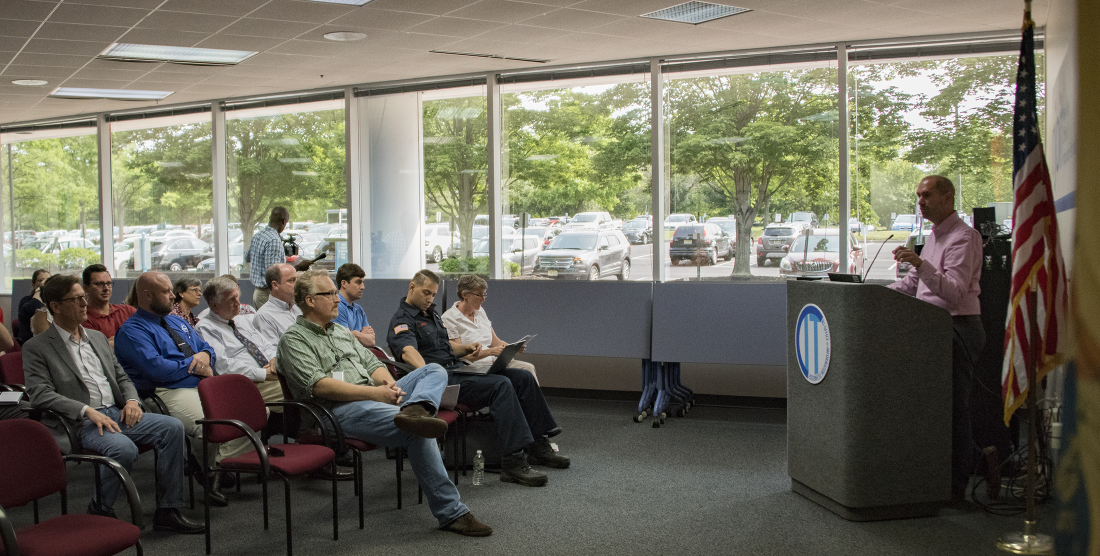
x: 700, y: 241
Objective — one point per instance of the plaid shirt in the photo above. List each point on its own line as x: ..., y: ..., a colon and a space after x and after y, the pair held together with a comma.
x: 266, y: 249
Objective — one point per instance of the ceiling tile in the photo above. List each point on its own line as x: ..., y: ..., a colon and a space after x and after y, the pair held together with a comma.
x: 16, y: 71
x: 119, y: 74
x: 501, y: 11
x: 54, y: 60
x: 554, y: 3
x: 513, y: 49
x: 164, y: 37
x: 237, y: 8
x: 432, y: 7
x: 381, y: 19
x: 571, y: 20
x: 97, y: 15
x: 854, y: 13
x: 522, y: 33
x: 593, y: 41
x: 417, y: 41
x: 11, y: 44
x: 239, y: 42
x: 281, y: 60
x: 147, y: 4
x: 312, y: 48
x: 180, y: 21
x: 455, y: 27
x: 50, y: 46
x: 96, y: 83
x: 77, y: 32
x: 268, y: 28
x: 309, y: 12
x: 630, y: 7
x: 17, y: 27
x: 231, y: 80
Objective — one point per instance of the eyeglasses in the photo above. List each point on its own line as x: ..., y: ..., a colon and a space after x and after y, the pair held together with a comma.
x: 79, y: 299
x: 483, y: 296
x: 195, y: 289
x: 332, y: 294
x: 103, y: 284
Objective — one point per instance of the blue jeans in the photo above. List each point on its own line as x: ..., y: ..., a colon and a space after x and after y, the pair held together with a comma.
x: 162, y: 432
x: 373, y: 422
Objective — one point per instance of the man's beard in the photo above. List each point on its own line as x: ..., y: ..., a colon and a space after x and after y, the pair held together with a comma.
x: 162, y: 309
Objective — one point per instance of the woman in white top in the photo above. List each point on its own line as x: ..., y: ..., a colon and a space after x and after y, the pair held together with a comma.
x: 467, y: 323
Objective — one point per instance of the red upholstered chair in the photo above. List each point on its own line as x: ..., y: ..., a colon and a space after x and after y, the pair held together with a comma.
x: 11, y: 371
x: 31, y: 468
x: 234, y: 408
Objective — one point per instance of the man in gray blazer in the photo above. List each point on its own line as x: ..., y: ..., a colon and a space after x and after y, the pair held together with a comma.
x: 73, y: 371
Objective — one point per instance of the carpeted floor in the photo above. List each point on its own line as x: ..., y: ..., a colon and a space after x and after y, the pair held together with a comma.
x: 714, y: 482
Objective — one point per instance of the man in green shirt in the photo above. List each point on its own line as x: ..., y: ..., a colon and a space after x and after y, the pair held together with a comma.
x: 325, y: 363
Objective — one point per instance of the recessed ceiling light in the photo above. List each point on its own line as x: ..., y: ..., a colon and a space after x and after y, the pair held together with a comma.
x: 345, y: 36
x: 344, y: 2
x: 113, y: 94
x: 695, y: 12
x: 175, y: 54
x: 30, y: 82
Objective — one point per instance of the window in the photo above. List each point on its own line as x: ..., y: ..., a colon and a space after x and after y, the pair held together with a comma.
x: 290, y: 156
x: 50, y: 200
x: 161, y: 183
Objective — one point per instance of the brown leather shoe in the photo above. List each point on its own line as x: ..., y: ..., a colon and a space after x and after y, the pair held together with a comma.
x: 416, y: 420
x: 469, y: 526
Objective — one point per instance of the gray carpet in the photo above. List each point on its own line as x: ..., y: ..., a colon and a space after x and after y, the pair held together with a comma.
x: 714, y: 482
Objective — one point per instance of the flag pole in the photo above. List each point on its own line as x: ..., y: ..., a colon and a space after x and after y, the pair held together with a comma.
x: 1030, y: 542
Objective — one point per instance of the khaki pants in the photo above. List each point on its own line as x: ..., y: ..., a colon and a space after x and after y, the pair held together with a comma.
x: 517, y: 364
x: 259, y: 297
x: 184, y: 404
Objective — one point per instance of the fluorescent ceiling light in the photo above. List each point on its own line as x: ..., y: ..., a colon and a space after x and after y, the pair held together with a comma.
x: 175, y: 54
x: 113, y: 94
x: 345, y: 36
x: 493, y: 56
x: 344, y: 2
x: 30, y: 82
x: 695, y: 12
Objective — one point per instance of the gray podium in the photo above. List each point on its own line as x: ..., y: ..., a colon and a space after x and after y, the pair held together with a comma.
x: 872, y: 439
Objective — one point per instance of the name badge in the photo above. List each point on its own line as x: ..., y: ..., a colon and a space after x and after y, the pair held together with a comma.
x: 338, y: 375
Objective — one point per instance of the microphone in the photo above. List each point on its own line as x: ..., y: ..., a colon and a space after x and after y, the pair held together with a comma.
x: 323, y: 255
x: 867, y: 270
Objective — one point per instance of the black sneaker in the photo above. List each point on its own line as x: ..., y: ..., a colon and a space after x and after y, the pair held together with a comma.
x: 95, y: 509
x: 514, y: 469
x: 540, y: 452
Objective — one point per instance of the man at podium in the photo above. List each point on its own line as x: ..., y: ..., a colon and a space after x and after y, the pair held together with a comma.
x: 946, y: 274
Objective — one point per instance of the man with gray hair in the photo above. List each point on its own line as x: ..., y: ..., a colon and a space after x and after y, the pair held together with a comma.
x: 239, y: 348
x: 325, y: 363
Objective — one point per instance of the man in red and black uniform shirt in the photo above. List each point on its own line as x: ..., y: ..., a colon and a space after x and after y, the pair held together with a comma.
x: 103, y: 315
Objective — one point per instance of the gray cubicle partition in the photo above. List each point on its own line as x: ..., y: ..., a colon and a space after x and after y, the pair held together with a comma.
x: 380, y: 300
x: 597, y: 319
x: 720, y: 322
x: 871, y: 438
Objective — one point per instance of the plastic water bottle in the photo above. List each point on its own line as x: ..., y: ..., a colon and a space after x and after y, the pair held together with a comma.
x: 479, y: 469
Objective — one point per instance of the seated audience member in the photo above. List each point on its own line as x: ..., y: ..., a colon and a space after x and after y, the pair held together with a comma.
x: 162, y: 353
x: 188, y: 294
x: 246, y: 309
x: 279, y: 312
x: 366, y: 400
x: 20, y: 410
x: 240, y: 349
x: 103, y: 316
x: 349, y: 278
x: 73, y: 371
x: 467, y: 323
x: 417, y: 335
x: 31, y: 304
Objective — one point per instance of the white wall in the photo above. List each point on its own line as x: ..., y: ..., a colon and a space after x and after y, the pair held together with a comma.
x: 1060, y: 135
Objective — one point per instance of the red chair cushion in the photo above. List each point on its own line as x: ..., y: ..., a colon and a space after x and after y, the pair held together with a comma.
x: 299, y: 459
x: 31, y: 467
x: 447, y: 415
x: 11, y: 368
x: 231, y: 397
x: 353, y: 443
x: 78, y: 535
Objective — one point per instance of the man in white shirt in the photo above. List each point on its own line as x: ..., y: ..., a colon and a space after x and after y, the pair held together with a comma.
x: 241, y: 350
x: 272, y: 320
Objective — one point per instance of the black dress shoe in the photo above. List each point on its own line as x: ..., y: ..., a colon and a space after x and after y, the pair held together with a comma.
x: 218, y: 499
x: 342, y: 473
x: 94, y: 509
x: 170, y: 519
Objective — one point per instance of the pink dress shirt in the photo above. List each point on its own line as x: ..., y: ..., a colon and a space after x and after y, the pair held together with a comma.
x: 952, y: 265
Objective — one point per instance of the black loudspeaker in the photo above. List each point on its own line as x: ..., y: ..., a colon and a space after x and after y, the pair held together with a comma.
x: 985, y: 220
x: 986, y: 401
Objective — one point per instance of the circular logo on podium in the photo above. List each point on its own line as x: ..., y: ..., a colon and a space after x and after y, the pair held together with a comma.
x: 812, y: 343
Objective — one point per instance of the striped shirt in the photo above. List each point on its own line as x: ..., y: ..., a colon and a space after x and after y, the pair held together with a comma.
x: 266, y: 249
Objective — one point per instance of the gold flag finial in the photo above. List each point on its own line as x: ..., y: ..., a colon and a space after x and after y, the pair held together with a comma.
x: 1027, y: 16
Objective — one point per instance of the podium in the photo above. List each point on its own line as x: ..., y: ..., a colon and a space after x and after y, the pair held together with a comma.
x: 871, y: 440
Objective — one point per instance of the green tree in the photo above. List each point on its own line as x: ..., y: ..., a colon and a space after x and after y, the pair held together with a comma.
x: 455, y: 162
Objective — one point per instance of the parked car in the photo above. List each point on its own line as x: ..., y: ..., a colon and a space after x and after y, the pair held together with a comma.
x: 437, y: 240
x: 236, y: 260
x: 857, y: 227
x: 805, y: 218
x: 585, y: 255
x: 307, y: 244
x: 676, y: 220
x: 775, y: 241
x: 538, y: 223
x: 512, y: 247
x: 639, y: 230
x: 905, y: 223
x: 124, y: 252
x: 728, y: 225
x: 178, y: 253
x: 55, y: 244
x: 919, y: 236
x: 706, y: 241
x: 165, y: 234
x: 592, y: 220
x: 821, y: 249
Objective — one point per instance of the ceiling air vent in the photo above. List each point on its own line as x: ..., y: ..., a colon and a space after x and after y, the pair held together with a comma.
x: 695, y: 12
x: 493, y: 56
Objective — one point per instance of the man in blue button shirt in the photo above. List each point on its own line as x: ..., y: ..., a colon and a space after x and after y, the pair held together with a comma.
x: 162, y: 353
x: 349, y: 278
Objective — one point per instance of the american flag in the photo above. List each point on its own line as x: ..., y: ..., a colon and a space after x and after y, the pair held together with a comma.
x: 1036, y: 256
